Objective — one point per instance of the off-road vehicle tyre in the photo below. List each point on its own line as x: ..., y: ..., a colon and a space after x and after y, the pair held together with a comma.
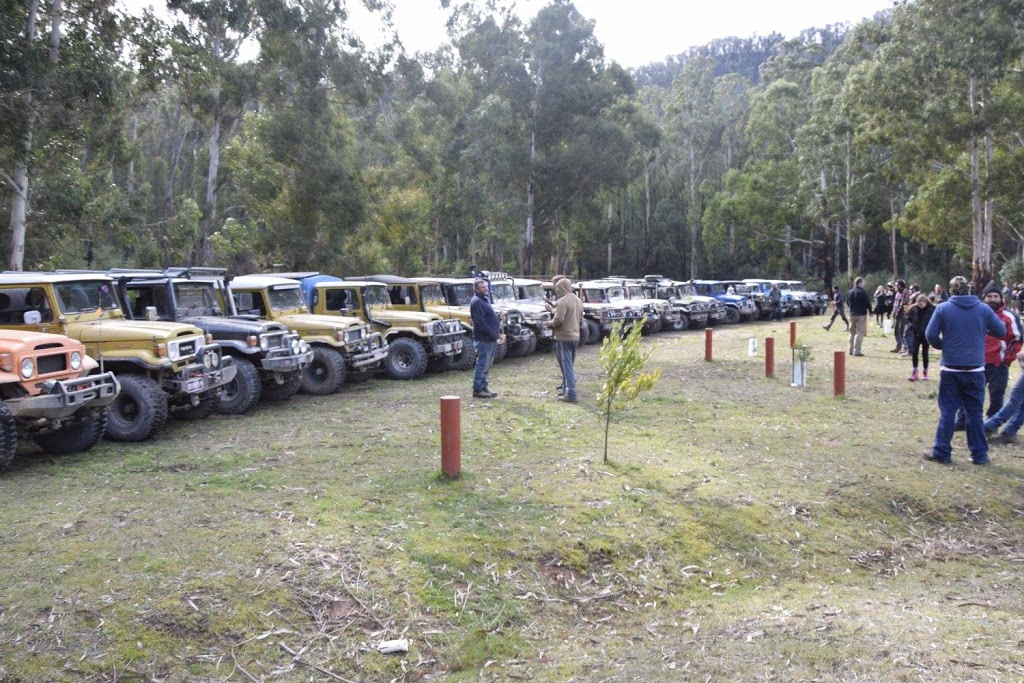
x: 77, y: 437
x: 732, y: 315
x: 500, y: 353
x: 208, y: 403
x: 651, y: 327
x: 406, y: 359
x: 584, y: 334
x: 466, y: 359
x: 593, y: 331
x: 325, y: 374
x: 241, y: 393
x: 272, y: 391
x: 681, y: 323
x: 8, y: 437
x: 523, y: 347
x: 139, y: 411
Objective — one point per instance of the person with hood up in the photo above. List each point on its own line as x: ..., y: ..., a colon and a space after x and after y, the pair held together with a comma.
x: 567, y: 316
x: 958, y: 328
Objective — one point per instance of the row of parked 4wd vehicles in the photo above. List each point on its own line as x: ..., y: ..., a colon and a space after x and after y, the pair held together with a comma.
x: 87, y: 354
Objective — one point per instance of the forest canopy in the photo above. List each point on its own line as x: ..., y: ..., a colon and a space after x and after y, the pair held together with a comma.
x: 263, y: 134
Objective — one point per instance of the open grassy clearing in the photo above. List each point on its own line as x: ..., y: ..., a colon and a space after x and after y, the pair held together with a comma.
x: 745, y: 530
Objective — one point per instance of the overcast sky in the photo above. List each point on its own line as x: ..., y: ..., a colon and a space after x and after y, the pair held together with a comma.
x: 633, y: 32
x: 638, y: 32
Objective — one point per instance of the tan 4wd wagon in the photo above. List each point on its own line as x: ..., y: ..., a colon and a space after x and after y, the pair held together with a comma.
x: 48, y: 394
x: 163, y: 368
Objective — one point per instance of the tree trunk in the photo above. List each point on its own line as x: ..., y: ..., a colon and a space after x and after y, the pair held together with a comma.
x: 826, y: 226
x: 694, y: 217
x: 531, y: 189
x: 849, y: 211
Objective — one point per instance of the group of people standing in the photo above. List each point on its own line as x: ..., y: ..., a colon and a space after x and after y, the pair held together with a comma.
x: 567, y: 315
x: 979, y: 339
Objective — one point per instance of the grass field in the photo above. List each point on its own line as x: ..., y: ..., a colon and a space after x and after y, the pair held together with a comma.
x: 743, y: 530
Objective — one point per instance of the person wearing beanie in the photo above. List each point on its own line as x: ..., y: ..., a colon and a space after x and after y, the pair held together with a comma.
x: 918, y: 318
x: 1000, y: 353
x: 958, y: 328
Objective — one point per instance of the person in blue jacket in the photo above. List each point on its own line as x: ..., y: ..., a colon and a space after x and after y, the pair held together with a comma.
x: 958, y: 328
x: 486, y: 329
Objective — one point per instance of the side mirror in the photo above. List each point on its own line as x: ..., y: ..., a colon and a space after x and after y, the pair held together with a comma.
x: 151, y: 314
x: 33, y: 317
x: 407, y: 302
x: 345, y: 310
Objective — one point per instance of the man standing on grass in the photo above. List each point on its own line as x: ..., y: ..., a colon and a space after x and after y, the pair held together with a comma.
x: 958, y: 328
x: 486, y: 329
x: 568, y: 313
x: 775, y: 297
x: 860, y: 308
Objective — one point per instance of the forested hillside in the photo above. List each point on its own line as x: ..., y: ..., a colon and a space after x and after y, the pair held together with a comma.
x: 262, y: 133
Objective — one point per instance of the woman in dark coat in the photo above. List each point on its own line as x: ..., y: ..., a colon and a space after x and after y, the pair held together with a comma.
x: 918, y: 315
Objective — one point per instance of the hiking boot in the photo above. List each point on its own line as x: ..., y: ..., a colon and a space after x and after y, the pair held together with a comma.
x: 930, y: 457
x: 567, y: 399
x: 484, y: 394
x: 1004, y: 438
x: 913, y: 376
x: 826, y: 327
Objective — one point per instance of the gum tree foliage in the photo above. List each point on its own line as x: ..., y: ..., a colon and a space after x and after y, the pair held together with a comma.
x: 622, y: 360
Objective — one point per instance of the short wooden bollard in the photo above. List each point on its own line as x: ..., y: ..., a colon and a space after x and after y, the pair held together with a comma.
x: 769, y: 357
x: 451, y: 436
x: 707, y: 344
x: 792, y: 334
x: 839, y: 374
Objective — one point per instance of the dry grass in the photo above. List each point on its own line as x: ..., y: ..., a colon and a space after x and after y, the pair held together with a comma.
x: 744, y: 530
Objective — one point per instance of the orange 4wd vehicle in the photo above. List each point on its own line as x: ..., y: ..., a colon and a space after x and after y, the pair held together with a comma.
x: 47, y: 394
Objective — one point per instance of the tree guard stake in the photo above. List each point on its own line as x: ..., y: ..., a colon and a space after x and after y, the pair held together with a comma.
x: 769, y: 357
x: 707, y: 344
x: 792, y: 334
x: 839, y: 374
x: 451, y: 436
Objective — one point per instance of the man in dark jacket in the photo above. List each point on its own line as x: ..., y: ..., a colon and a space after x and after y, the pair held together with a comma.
x: 958, y: 328
x: 860, y: 307
x: 486, y: 329
x: 840, y: 303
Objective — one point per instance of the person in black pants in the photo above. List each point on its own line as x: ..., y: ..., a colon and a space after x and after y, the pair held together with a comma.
x: 918, y: 318
x: 839, y: 312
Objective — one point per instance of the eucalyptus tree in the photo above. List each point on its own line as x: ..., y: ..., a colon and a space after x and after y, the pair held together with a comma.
x: 931, y: 95
x: 60, y: 74
x: 215, y: 85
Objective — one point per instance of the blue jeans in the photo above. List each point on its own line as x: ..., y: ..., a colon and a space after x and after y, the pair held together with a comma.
x: 1012, y: 412
x: 960, y: 390
x: 565, y: 351
x: 776, y: 310
x: 996, y: 379
x: 484, y: 358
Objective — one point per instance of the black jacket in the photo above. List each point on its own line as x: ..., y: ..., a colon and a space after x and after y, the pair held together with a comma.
x: 859, y: 301
x: 485, y: 320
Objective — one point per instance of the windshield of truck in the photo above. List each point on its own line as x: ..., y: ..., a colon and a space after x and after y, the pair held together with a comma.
x: 616, y: 294
x: 797, y: 287
x: 460, y: 294
x: 431, y: 295
x: 502, y: 292
x: 636, y: 292
x: 285, y: 298
x: 195, y: 298
x: 532, y: 293
x: 376, y: 296
x: 667, y: 292
x: 687, y: 290
x: 82, y: 297
x: 715, y: 290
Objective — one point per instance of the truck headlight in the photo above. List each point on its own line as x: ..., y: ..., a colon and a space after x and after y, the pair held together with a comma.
x: 28, y: 368
x: 76, y: 360
x: 296, y: 346
x: 173, y: 352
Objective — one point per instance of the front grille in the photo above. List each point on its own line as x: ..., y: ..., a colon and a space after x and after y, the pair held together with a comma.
x: 275, y: 340
x: 187, y: 349
x: 50, y: 364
